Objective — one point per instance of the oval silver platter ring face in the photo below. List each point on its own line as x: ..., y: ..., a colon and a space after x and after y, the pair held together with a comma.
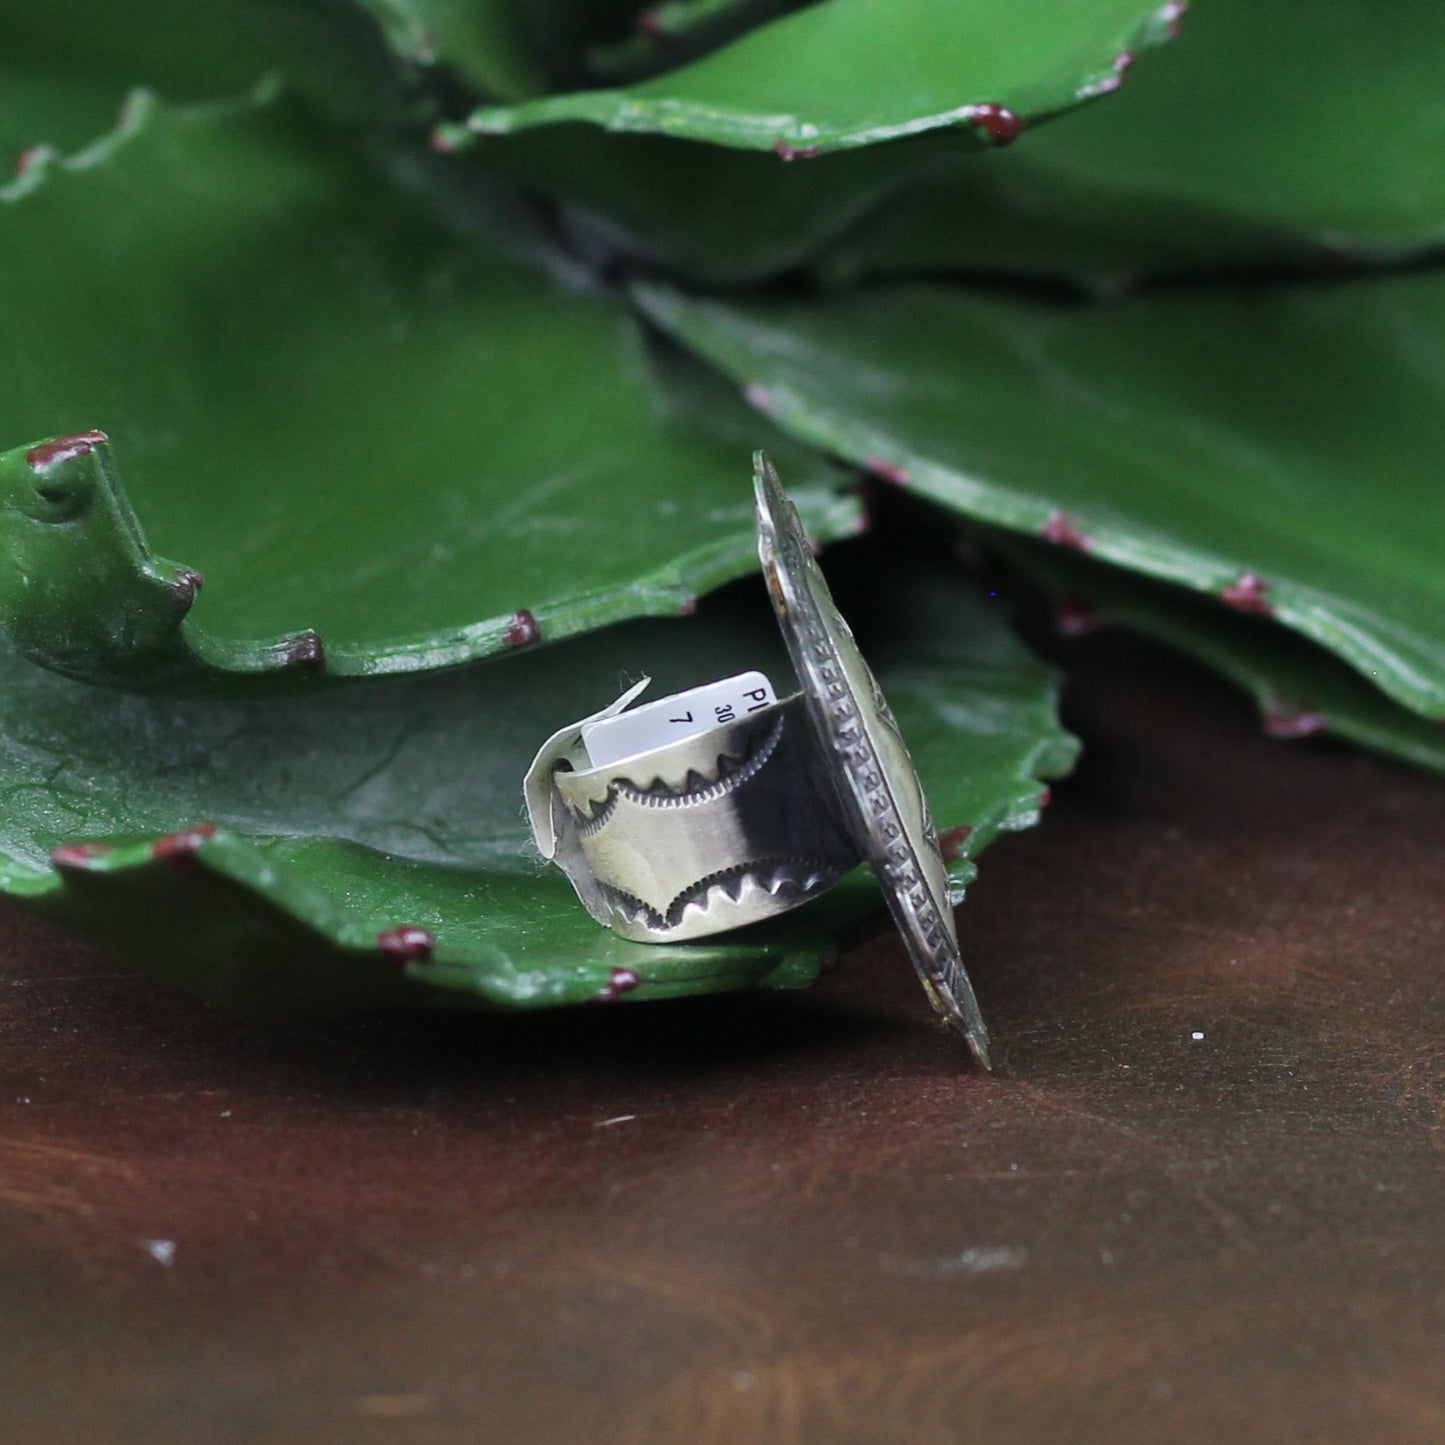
x: 876, y: 778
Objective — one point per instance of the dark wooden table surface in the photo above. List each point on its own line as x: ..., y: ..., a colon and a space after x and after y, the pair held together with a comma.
x: 1201, y: 1200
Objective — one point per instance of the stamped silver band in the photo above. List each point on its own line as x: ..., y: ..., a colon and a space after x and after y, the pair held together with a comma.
x: 722, y: 829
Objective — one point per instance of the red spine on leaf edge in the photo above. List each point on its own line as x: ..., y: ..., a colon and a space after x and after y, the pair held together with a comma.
x: 408, y: 944
x: 623, y: 981
x: 180, y: 847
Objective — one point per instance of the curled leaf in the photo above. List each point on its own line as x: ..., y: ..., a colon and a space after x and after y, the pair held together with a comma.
x: 1278, y: 449
x: 354, y: 848
x: 386, y: 446
x: 845, y: 73
x: 1296, y: 133
x: 1300, y: 689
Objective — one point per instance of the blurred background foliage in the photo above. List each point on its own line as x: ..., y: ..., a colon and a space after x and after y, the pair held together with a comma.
x: 405, y: 354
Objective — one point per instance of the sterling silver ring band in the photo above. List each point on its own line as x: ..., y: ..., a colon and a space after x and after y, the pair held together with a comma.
x: 716, y: 831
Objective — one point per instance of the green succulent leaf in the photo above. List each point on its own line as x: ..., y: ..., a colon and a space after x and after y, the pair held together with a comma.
x: 67, y: 66
x: 1278, y: 448
x: 1300, y: 689
x: 1289, y: 133
x: 369, y: 845
x: 383, y: 445
x: 845, y: 73
x: 731, y: 216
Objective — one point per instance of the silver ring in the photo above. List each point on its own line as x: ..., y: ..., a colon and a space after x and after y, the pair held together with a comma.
x: 743, y: 821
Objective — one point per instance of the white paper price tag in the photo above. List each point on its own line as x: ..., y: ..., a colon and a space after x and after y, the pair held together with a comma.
x: 683, y: 715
